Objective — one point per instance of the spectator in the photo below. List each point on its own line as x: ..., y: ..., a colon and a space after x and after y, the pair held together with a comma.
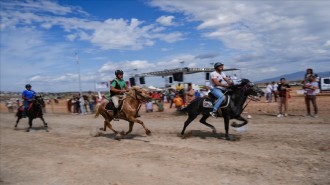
x: 171, y: 97
x: 149, y: 106
x: 82, y: 105
x: 311, y: 95
x: 178, y: 101
x: 269, y: 92
x: 92, y: 102
x: 283, y: 90
x: 190, y: 94
x: 274, y: 91
x: 197, y: 94
x: 160, y: 106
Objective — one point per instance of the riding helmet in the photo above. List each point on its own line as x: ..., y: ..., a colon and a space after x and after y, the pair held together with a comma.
x: 119, y: 72
x: 27, y: 85
x: 216, y: 65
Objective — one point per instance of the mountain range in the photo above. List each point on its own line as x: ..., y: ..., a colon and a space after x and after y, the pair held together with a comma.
x: 297, y: 76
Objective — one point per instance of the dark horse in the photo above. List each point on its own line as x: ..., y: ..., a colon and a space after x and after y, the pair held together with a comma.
x: 238, y: 95
x: 34, y: 111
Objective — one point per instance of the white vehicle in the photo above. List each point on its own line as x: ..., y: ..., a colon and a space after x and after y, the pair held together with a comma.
x: 325, y: 84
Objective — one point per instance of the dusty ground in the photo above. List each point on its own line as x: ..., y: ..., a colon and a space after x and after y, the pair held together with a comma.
x: 294, y: 150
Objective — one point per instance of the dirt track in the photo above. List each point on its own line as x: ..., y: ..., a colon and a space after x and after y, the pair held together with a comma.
x: 293, y: 150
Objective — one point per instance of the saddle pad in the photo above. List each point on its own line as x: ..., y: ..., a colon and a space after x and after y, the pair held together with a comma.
x: 207, y: 104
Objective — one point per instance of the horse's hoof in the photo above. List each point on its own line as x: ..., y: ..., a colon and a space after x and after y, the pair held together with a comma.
x: 214, y: 131
x: 148, y: 132
x: 118, y: 136
x: 28, y: 130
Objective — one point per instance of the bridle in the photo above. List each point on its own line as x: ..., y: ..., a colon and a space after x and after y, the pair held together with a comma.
x: 245, y: 88
x: 137, y: 93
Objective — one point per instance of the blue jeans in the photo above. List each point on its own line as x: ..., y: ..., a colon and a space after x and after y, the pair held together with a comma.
x: 220, y: 96
x: 25, y: 106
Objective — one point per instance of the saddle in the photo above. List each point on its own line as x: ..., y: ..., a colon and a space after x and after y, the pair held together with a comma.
x: 210, y: 100
x: 111, y: 106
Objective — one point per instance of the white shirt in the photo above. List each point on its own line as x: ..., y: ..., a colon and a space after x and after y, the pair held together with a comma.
x: 219, y: 77
x: 269, y: 88
x: 275, y: 87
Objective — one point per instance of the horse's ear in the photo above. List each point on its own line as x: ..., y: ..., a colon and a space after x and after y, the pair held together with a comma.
x: 245, y: 81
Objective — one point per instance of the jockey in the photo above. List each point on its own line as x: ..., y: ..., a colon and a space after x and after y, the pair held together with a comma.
x: 218, y: 83
x: 27, y: 96
x: 117, y: 89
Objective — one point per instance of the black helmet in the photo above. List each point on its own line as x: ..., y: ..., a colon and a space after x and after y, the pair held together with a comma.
x: 119, y: 72
x: 216, y: 65
x: 27, y: 85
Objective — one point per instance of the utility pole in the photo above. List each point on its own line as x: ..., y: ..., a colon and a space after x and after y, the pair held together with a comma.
x: 78, y: 69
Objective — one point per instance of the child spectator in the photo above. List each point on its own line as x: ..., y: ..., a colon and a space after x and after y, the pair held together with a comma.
x: 149, y: 106
x: 178, y: 101
x: 160, y: 106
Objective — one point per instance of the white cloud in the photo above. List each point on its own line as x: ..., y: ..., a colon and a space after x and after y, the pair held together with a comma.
x: 110, y: 34
x: 279, y: 33
x: 166, y: 20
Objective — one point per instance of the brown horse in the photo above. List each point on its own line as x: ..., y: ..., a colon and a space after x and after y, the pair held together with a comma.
x: 128, y: 112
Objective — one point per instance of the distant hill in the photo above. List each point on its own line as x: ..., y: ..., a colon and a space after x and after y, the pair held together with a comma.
x: 293, y: 76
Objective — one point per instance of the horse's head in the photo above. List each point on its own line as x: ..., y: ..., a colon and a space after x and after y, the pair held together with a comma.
x: 139, y: 93
x: 254, y: 91
x: 250, y: 89
x: 39, y: 101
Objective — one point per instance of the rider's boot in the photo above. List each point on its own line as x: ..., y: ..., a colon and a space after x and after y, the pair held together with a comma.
x: 116, y: 114
x: 24, y: 114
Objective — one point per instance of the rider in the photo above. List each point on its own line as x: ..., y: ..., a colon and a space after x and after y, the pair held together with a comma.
x: 218, y: 83
x: 27, y: 96
x: 117, y: 89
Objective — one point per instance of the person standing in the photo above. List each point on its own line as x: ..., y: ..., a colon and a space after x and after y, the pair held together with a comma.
x: 190, y: 94
x: 269, y: 92
x: 274, y: 91
x: 283, y: 91
x: 218, y: 83
x: 311, y: 95
x: 171, y: 97
x: 117, y: 89
x: 27, y: 95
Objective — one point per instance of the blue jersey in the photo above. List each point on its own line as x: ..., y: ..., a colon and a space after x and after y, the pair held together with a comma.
x: 28, y: 94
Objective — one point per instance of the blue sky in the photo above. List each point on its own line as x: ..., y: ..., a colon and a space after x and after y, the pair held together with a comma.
x: 263, y: 38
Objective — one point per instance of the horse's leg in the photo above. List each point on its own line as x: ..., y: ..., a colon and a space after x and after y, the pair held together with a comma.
x: 18, y: 118
x: 108, y: 124
x: 226, y: 122
x: 133, y: 119
x: 191, y: 117
x: 30, y: 125
x: 203, y: 121
x: 240, y: 118
x: 131, y: 124
x: 45, y: 124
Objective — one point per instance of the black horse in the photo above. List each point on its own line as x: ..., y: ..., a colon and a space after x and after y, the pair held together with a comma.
x: 34, y: 111
x: 232, y: 108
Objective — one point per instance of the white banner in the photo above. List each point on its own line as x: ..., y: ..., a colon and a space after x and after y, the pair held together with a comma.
x: 102, y: 85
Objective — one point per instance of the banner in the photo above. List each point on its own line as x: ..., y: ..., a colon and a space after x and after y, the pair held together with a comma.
x: 102, y: 85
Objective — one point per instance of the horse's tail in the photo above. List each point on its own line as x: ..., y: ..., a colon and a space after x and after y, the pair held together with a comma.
x: 100, y: 107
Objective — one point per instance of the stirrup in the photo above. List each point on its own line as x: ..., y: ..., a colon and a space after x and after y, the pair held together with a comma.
x: 213, y: 114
